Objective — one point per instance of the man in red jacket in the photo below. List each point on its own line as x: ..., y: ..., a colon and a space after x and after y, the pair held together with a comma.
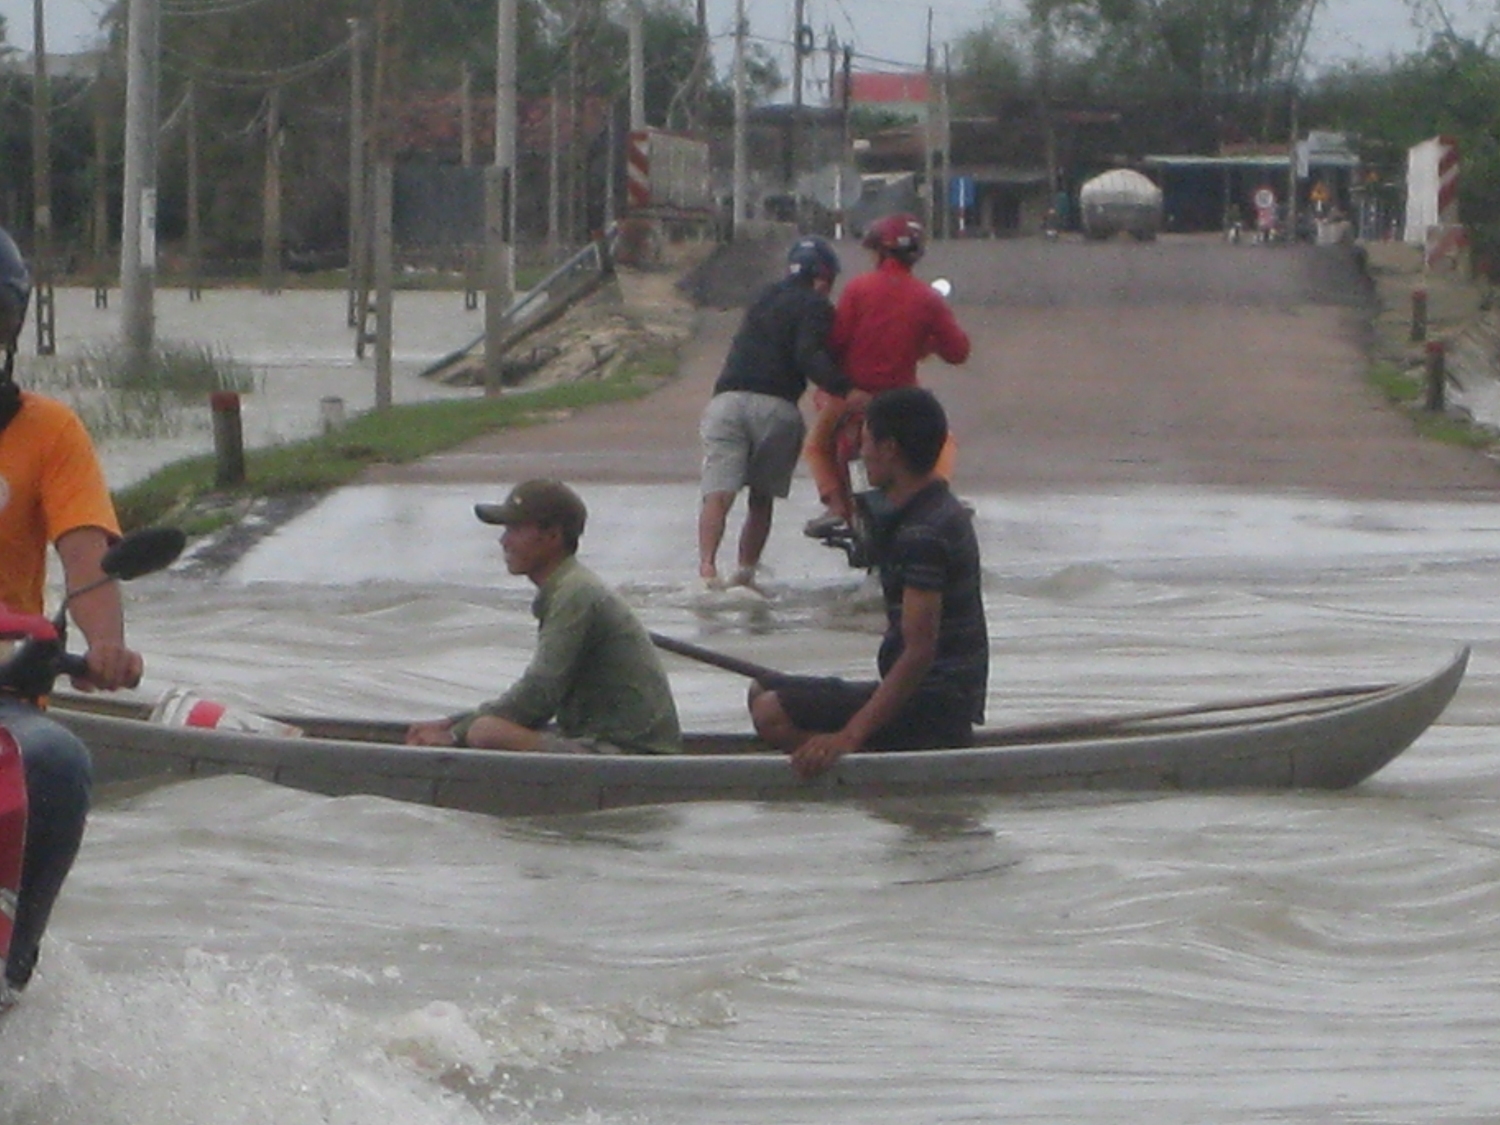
x: 886, y: 322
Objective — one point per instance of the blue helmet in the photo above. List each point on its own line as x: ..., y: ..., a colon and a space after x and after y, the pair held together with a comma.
x: 15, y: 295
x: 812, y: 257
x: 15, y: 291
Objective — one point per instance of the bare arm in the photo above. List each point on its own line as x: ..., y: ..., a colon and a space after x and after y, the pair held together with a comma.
x: 921, y: 615
x: 98, y: 614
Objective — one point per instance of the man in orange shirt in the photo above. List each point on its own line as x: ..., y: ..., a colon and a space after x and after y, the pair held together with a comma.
x: 886, y: 322
x: 52, y: 490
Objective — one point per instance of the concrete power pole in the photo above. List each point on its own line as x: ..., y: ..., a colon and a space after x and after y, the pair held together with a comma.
x: 946, y: 108
x: 929, y: 201
x: 794, y: 127
x: 846, y: 146
x: 138, y: 233
x: 466, y: 117
x: 741, y: 172
x: 100, y: 219
x: 637, y: 40
x: 41, y: 168
x: 499, y: 205
x: 387, y: 23
x: 270, y: 232
x: 554, y: 176
x: 194, y: 224
x: 359, y: 284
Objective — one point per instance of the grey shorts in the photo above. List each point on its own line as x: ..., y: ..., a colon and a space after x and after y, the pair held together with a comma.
x: 750, y: 440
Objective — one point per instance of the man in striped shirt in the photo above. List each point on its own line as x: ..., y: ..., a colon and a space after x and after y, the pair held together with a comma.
x: 934, y: 657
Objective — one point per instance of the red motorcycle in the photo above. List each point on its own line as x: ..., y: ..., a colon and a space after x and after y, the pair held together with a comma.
x: 29, y: 674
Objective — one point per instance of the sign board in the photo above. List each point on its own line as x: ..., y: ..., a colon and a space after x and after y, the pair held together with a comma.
x: 962, y: 192
x: 668, y: 173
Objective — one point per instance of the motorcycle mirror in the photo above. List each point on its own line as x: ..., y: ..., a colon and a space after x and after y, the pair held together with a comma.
x: 142, y: 552
x: 943, y: 286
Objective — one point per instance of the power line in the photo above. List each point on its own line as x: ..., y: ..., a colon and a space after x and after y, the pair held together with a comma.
x: 229, y: 77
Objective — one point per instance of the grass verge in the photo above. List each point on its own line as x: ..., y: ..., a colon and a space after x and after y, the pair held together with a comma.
x: 1408, y: 392
x: 185, y: 493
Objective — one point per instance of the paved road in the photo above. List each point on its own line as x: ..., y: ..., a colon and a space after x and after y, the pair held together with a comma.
x: 1183, y: 362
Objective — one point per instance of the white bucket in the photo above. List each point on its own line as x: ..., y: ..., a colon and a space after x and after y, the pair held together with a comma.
x: 180, y: 707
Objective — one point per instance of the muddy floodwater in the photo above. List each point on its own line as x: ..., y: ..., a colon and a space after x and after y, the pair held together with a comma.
x: 228, y: 951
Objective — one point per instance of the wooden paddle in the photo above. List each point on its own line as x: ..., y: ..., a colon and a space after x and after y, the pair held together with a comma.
x: 717, y: 659
x: 1062, y: 728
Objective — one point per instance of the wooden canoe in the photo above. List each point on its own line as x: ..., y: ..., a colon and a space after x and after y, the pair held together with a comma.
x: 1325, y: 739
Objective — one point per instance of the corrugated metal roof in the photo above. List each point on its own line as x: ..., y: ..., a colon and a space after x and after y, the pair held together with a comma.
x: 1257, y: 160
x: 1000, y: 173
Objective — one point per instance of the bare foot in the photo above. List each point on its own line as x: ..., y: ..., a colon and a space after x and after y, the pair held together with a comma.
x: 745, y: 576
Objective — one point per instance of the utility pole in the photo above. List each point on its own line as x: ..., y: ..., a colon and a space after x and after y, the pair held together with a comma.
x: 1291, y: 172
x: 612, y: 147
x: 41, y: 169
x: 928, y: 200
x: 637, y: 39
x: 700, y: 68
x: 138, y: 234
x: 794, y: 127
x: 847, y: 156
x: 466, y: 117
x: 741, y: 172
x: 499, y: 202
x: 576, y: 185
x: 387, y: 23
x: 195, y: 235
x: 946, y: 113
x: 100, y: 220
x: 359, y: 278
x: 270, y: 231
x: 554, y: 169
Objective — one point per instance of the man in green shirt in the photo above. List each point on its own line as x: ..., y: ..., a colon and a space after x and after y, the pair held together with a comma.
x: 595, y: 671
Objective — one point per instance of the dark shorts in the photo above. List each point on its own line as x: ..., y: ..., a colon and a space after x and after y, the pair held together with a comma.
x: 819, y: 704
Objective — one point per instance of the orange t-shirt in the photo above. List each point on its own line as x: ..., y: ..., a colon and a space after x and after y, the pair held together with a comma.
x: 50, y: 484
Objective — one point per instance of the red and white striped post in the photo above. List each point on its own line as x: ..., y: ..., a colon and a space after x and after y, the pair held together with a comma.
x: 638, y: 171
x: 1447, y: 236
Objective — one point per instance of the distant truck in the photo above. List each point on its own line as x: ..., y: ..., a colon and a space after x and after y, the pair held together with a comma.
x: 1121, y: 200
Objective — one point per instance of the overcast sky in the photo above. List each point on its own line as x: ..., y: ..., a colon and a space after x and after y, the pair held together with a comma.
x: 884, y: 33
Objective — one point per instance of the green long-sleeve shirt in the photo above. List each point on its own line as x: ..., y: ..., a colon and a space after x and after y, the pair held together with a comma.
x: 595, y: 670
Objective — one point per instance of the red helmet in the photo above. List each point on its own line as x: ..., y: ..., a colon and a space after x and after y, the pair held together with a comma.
x: 899, y: 236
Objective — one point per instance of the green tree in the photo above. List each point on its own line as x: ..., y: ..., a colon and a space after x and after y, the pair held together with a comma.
x: 1450, y: 88
x: 1203, y: 48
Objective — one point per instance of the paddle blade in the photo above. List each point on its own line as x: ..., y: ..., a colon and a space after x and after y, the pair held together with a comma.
x: 142, y: 552
x: 12, y: 836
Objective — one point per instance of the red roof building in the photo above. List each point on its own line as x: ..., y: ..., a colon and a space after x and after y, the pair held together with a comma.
x: 895, y: 90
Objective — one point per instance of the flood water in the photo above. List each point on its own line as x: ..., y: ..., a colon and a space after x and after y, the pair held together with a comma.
x: 228, y: 951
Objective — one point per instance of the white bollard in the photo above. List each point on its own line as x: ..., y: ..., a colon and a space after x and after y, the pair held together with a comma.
x: 331, y: 412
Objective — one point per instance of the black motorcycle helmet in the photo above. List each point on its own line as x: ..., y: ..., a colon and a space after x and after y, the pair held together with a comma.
x: 15, y: 297
x: 813, y: 257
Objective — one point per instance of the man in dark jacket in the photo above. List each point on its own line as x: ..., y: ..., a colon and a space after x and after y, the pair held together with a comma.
x: 752, y: 429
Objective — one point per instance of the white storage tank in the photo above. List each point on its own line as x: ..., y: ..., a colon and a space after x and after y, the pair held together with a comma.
x: 1121, y: 200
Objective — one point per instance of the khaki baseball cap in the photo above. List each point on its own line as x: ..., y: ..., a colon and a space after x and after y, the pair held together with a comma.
x: 549, y: 503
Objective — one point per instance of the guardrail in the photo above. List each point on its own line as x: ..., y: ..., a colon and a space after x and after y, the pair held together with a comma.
x: 545, y: 302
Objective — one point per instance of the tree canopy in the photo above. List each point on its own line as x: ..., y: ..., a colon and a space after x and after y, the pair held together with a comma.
x: 1201, y: 47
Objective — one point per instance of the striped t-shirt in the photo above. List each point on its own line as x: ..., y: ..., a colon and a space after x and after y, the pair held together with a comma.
x: 929, y: 544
